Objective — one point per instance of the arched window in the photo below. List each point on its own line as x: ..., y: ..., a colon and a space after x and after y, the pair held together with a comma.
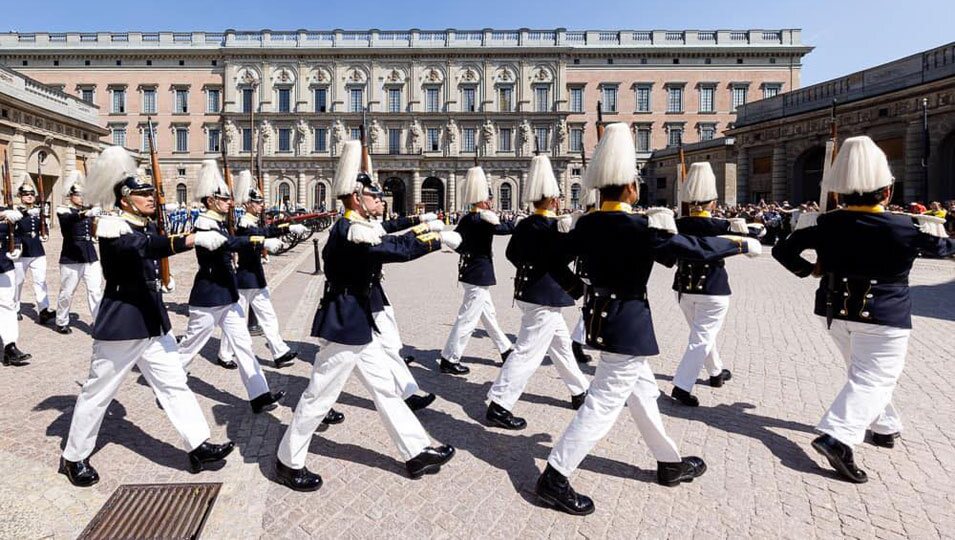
x: 505, y: 197
x: 320, y: 192
x: 575, y: 196
x: 285, y: 194
x: 181, y: 193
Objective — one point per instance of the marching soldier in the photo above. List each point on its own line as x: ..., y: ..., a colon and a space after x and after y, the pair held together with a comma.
x: 864, y: 255
x: 702, y: 288
x: 476, y: 273
x: 214, y: 299
x: 348, y: 334
x: 78, y: 258
x: 254, y: 293
x: 577, y: 337
x: 9, y: 324
x: 543, y: 278
x: 32, y: 256
x: 133, y: 327
x: 618, y: 248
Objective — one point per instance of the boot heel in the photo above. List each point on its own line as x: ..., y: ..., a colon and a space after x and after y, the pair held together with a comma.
x: 195, y: 466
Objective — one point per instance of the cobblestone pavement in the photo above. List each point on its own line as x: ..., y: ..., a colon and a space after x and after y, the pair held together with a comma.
x: 763, y: 479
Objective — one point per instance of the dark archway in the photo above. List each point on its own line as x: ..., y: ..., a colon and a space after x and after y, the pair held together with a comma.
x: 807, y: 175
x: 432, y: 194
x: 943, y: 178
x: 395, y: 195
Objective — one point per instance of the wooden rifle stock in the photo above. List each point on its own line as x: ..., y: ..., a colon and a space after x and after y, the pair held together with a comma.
x: 684, y: 205
x: 600, y: 121
x: 8, y: 202
x: 160, y: 214
x: 227, y: 175
x: 44, y: 229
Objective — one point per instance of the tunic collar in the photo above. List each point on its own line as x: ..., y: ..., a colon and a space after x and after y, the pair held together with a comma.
x: 213, y: 215
x: 138, y: 221
x: 616, y: 206
x: 545, y: 213
x: 352, y: 215
x: 876, y: 209
x: 700, y: 213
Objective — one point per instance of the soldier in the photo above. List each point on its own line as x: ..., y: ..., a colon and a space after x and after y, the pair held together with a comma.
x: 864, y: 255
x: 32, y: 255
x: 250, y: 276
x: 577, y: 337
x: 476, y: 273
x: 538, y: 250
x: 9, y: 325
x: 702, y: 288
x: 78, y: 258
x: 214, y: 300
x: 348, y: 334
x: 618, y: 248
x: 133, y: 327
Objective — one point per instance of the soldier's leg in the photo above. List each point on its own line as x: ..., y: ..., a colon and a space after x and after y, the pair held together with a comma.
x: 390, y: 341
x: 19, y: 277
x: 226, y: 354
x: 69, y: 279
x: 260, y: 301
x: 877, y: 358
x: 333, y: 364
x: 705, y: 320
x: 40, y: 292
x: 202, y: 322
x: 578, y: 334
x: 93, y: 278
x: 468, y: 315
x: 716, y: 307
x: 646, y: 413
x: 402, y: 425
x: 563, y: 357
x: 533, y: 339
x: 111, y: 361
x: 612, y: 385
x: 160, y: 366
x: 234, y: 330
x: 9, y: 326
x: 489, y: 321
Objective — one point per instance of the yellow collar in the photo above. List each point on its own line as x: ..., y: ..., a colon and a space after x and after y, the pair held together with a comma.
x: 545, y: 213
x: 700, y: 213
x: 213, y: 215
x: 352, y: 215
x: 876, y: 209
x: 138, y: 221
x: 616, y: 206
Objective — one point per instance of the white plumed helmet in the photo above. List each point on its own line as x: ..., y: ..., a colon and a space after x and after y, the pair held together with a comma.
x: 541, y: 183
x: 615, y: 159
x: 700, y: 185
x: 859, y: 167
x: 476, y: 188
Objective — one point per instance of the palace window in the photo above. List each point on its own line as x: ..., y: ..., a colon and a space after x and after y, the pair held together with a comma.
x: 467, y: 139
x: 285, y: 100
x: 182, y: 101
x: 357, y: 100
x: 576, y: 139
x: 707, y: 132
x: 434, y: 139
x: 119, y: 135
x: 119, y: 101
x: 643, y: 139
x: 213, y: 101
x: 609, y: 98
x: 214, y: 138
x: 87, y: 94
x: 182, y: 139
x: 707, y: 93
x: 504, y: 138
x: 468, y: 99
x: 356, y: 134
x: 575, y: 196
x: 771, y: 90
x: 739, y: 95
x: 674, y: 99
x: 542, y: 98
x: 506, y: 197
x: 394, y: 140
x: 432, y: 99
x: 674, y: 136
x: 144, y: 144
x: 247, y: 97
x: 542, y: 136
x: 394, y: 100
x: 285, y: 139
x: 149, y: 101
x: 577, y: 100
x: 320, y: 135
x: 643, y: 98
x: 246, y: 139
x: 181, y: 193
x: 321, y: 99
x: 505, y: 98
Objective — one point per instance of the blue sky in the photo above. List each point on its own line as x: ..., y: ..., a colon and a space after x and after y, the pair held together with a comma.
x: 849, y: 35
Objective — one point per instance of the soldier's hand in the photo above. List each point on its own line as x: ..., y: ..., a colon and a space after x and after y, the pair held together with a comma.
x: 298, y: 229
x: 272, y: 244
x: 210, y: 240
x: 817, y: 270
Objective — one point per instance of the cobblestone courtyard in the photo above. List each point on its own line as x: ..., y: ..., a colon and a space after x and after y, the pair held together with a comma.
x: 763, y: 479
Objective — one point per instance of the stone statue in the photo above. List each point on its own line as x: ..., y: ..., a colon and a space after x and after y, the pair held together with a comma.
x: 338, y: 135
x: 527, y: 137
x: 414, y: 135
x: 231, y: 135
x: 487, y: 135
x: 452, y: 131
x: 302, y: 130
x: 561, y: 131
x: 374, y: 133
x: 265, y: 132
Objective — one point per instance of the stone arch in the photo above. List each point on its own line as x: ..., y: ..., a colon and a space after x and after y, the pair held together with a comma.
x: 505, y: 74
x: 182, y: 193
x: 942, y: 169
x: 284, y: 74
x: 51, y: 169
x: 433, y: 74
x: 470, y: 74
x: 507, y: 194
x: 396, y: 194
x: 433, y: 194
x: 317, y: 194
x: 356, y: 74
x: 247, y: 75
x: 807, y: 175
x: 283, y: 191
x: 541, y: 74
x: 576, y: 196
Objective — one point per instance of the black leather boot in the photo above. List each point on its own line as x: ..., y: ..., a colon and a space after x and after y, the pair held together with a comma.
x: 286, y: 359
x: 671, y: 474
x: 505, y: 354
x: 684, y: 397
x: 297, y: 479
x: 266, y: 401
x: 884, y: 440
x: 554, y: 490
x: 416, y: 402
x: 576, y: 402
x: 45, y: 316
x: 208, y: 453
x: 255, y: 330
x: 579, y: 355
x: 333, y: 417
x: 501, y: 417
x: 65, y: 330
x: 227, y: 364
x: 840, y: 457
x: 454, y: 368
x: 12, y: 356
x: 718, y: 380
x: 80, y: 473
x: 409, y: 360
x: 429, y: 461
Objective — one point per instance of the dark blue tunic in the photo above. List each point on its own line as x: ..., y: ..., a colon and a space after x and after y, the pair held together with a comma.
x: 476, y: 266
x: 77, y: 231
x: 28, y: 234
x: 542, y: 256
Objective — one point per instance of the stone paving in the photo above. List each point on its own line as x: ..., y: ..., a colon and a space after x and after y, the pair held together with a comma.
x: 763, y: 479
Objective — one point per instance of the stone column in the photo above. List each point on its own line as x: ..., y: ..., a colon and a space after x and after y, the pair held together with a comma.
x: 228, y: 88
x: 452, y: 189
x: 69, y: 165
x: 742, y: 174
x: 780, y: 173
x: 301, y: 88
x: 416, y: 182
x: 519, y: 197
x: 264, y: 91
x: 563, y: 180
x: 300, y: 188
x: 913, y: 186
x: 18, y: 154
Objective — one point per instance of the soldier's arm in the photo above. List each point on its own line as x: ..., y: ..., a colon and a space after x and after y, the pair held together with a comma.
x: 399, y: 224
x: 151, y: 246
x: 934, y: 246
x: 667, y: 247
x: 405, y: 247
x: 789, y: 251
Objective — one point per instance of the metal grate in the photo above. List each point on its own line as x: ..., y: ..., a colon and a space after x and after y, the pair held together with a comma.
x: 144, y: 511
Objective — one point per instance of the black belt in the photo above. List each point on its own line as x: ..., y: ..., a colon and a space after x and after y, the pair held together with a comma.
x: 866, y: 280
x: 149, y: 285
x: 616, y: 294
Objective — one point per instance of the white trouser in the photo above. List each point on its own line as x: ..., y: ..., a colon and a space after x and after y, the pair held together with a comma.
x: 70, y: 276
x: 875, y: 356
x: 543, y: 331
x: 577, y: 334
x: 159, y: 363
x: 390, y: 341
x: 619, y: 380
x: 476, y: 306
x: 231, y: 318
x: 37, y: 267
x: 333, y: 364
x: 261, y: 302
x: 9, y: 326
x: 705, y: 314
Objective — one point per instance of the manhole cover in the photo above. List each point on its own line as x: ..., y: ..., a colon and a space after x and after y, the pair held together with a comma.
x: 154, y: 511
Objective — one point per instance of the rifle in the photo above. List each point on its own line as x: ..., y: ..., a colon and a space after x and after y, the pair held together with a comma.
x: 44, y: 229
x: 8, y: 202
x: 365, y: 153
x: 227, y: 175
x: 827, y: 199
x: 160, y: 215
x: 600, y: 121
x: 683, y: 206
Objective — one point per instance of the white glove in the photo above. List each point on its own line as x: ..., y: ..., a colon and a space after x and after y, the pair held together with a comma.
x: 298, y: 229
x: 13, y: 255
x: 564, y: 223
x: 753, y: 247
x: 436, y: 225
x: 34, y: 211
x: 210, y: 240
x: 272, y: 244
x: 430, y: 216
x: 93, y: 212
x: 12, y: 215
x: 450, y: 239
x: 171, y: 207
x: 168, y: 289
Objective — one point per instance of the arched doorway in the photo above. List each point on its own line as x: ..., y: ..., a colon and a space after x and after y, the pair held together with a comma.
x: 283, y: 194
x: 395, y: 195
x: 506, y: 199
x: 43, y: 162
x: 807, y: 175
x: 319, y: 201
x: 432, y: 194
x: 574, y: 196
x: 181, y: 197
x: 942, y: 187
